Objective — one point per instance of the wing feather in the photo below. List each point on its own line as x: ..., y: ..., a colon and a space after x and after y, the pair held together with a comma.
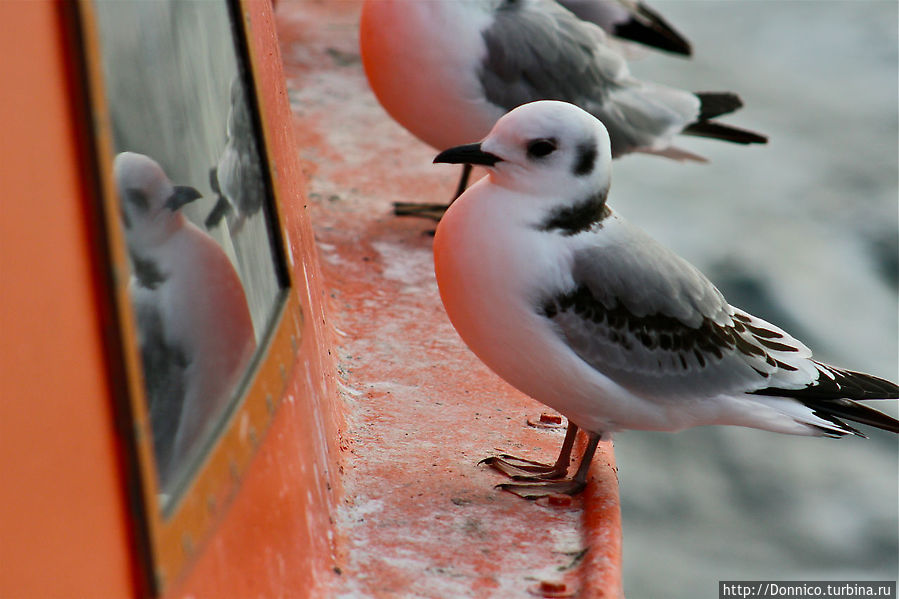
x: 649, y: 320
x: 540, y: 51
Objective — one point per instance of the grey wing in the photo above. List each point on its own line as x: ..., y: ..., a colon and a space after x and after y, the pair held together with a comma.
x: 164, y: 367
x: 540, y: 51
x: 239, y: 171
x: 653, y: 323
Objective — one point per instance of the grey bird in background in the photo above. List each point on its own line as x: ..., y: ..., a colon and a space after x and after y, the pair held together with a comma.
x: 237, y: 178
x: 194, y: 327
x: 575, y: 307
x: 446, y: 70
x: 633, y: 21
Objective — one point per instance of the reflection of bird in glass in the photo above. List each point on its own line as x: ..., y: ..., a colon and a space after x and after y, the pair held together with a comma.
x: 630, y: 20
x: 237, y: 178
x: 193, y: 320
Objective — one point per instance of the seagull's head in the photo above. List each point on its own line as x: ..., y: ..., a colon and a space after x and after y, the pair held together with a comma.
x: 149, y: 201
x: 546, y: 148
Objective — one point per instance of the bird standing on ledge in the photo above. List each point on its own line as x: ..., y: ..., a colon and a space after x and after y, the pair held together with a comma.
x: 582, y: 311
x: 446, y: 70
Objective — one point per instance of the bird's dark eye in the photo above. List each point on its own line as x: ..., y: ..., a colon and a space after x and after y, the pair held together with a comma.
x: 539, y: 148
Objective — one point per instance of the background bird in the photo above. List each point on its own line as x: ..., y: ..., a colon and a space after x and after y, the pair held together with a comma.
x: 632, y: 21
x: 446, y: 70
x: 194, y: 324
x: 569, y: 303
x: 237, y: 178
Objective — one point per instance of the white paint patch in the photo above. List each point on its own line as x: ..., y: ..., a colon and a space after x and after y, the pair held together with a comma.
x: 409, y: 265
x: 344, y: 388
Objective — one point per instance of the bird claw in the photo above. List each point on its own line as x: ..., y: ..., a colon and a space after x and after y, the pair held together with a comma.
x: 432, y: 211
x: 545, y: 488
x: 523, y: 470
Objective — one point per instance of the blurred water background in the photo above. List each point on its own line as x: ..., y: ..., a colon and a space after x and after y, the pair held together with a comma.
x: 805, y: 233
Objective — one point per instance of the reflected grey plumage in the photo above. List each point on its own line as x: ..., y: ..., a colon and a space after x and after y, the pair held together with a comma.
x: 164, y: 368
x: 238, y: 177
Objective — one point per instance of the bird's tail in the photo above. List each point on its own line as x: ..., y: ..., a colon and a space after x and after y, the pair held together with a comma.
x: 835, y: 395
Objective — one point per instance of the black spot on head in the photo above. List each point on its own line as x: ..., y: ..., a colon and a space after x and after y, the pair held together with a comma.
x: 538, y: 148
x: 124, y: 215
x: 586, y: 159
x: 549, y: 309
x: 137, y: 198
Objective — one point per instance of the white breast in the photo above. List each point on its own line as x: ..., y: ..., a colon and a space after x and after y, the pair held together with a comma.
x: 494, y: 274
x: 422, y: 59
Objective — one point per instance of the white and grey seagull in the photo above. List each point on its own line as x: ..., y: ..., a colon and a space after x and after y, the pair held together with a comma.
x: 446, y: 70
x: 194, y: 326
x: 584, y: 312
x: 633, y: 21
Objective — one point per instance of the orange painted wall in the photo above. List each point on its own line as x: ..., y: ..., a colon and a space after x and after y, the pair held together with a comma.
x: 64, y: 530
x: 65, y: 526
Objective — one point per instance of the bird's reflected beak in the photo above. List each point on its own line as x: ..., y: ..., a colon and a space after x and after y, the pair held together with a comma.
x: 467, y: 154
x: 181, y: 195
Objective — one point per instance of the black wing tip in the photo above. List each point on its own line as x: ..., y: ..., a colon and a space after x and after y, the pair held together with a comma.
x: 836, y: 394
x: 723, y: 132
x: 844, y: 429
x: 658, y: 35
x: 218, y: 212
x: 863, y: 386
x: 715, y: 104
x: 854, y: 412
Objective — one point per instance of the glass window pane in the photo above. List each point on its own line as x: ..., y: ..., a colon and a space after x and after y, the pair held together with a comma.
x: 196, y: 212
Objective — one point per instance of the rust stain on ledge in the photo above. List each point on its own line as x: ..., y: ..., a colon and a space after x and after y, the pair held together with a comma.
x: 420, y: 517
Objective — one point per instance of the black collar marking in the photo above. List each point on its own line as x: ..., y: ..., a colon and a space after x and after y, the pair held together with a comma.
x: 582, y: 216
x: 147, y: 272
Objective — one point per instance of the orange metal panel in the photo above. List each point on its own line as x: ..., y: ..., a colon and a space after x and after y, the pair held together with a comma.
x: 63, y: 518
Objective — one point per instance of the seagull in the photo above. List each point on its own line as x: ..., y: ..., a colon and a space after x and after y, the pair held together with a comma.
x: 582, y: 311
x: 237, y: 178
x: 632, y: 21
x: 194, y: 328
x: 447, y: 70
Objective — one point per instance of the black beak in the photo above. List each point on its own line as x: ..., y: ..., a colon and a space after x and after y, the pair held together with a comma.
x: 468, y: 154
x: 182, y: 194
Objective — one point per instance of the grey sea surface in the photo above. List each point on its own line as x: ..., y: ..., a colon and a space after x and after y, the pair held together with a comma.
x: 803, y: 232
